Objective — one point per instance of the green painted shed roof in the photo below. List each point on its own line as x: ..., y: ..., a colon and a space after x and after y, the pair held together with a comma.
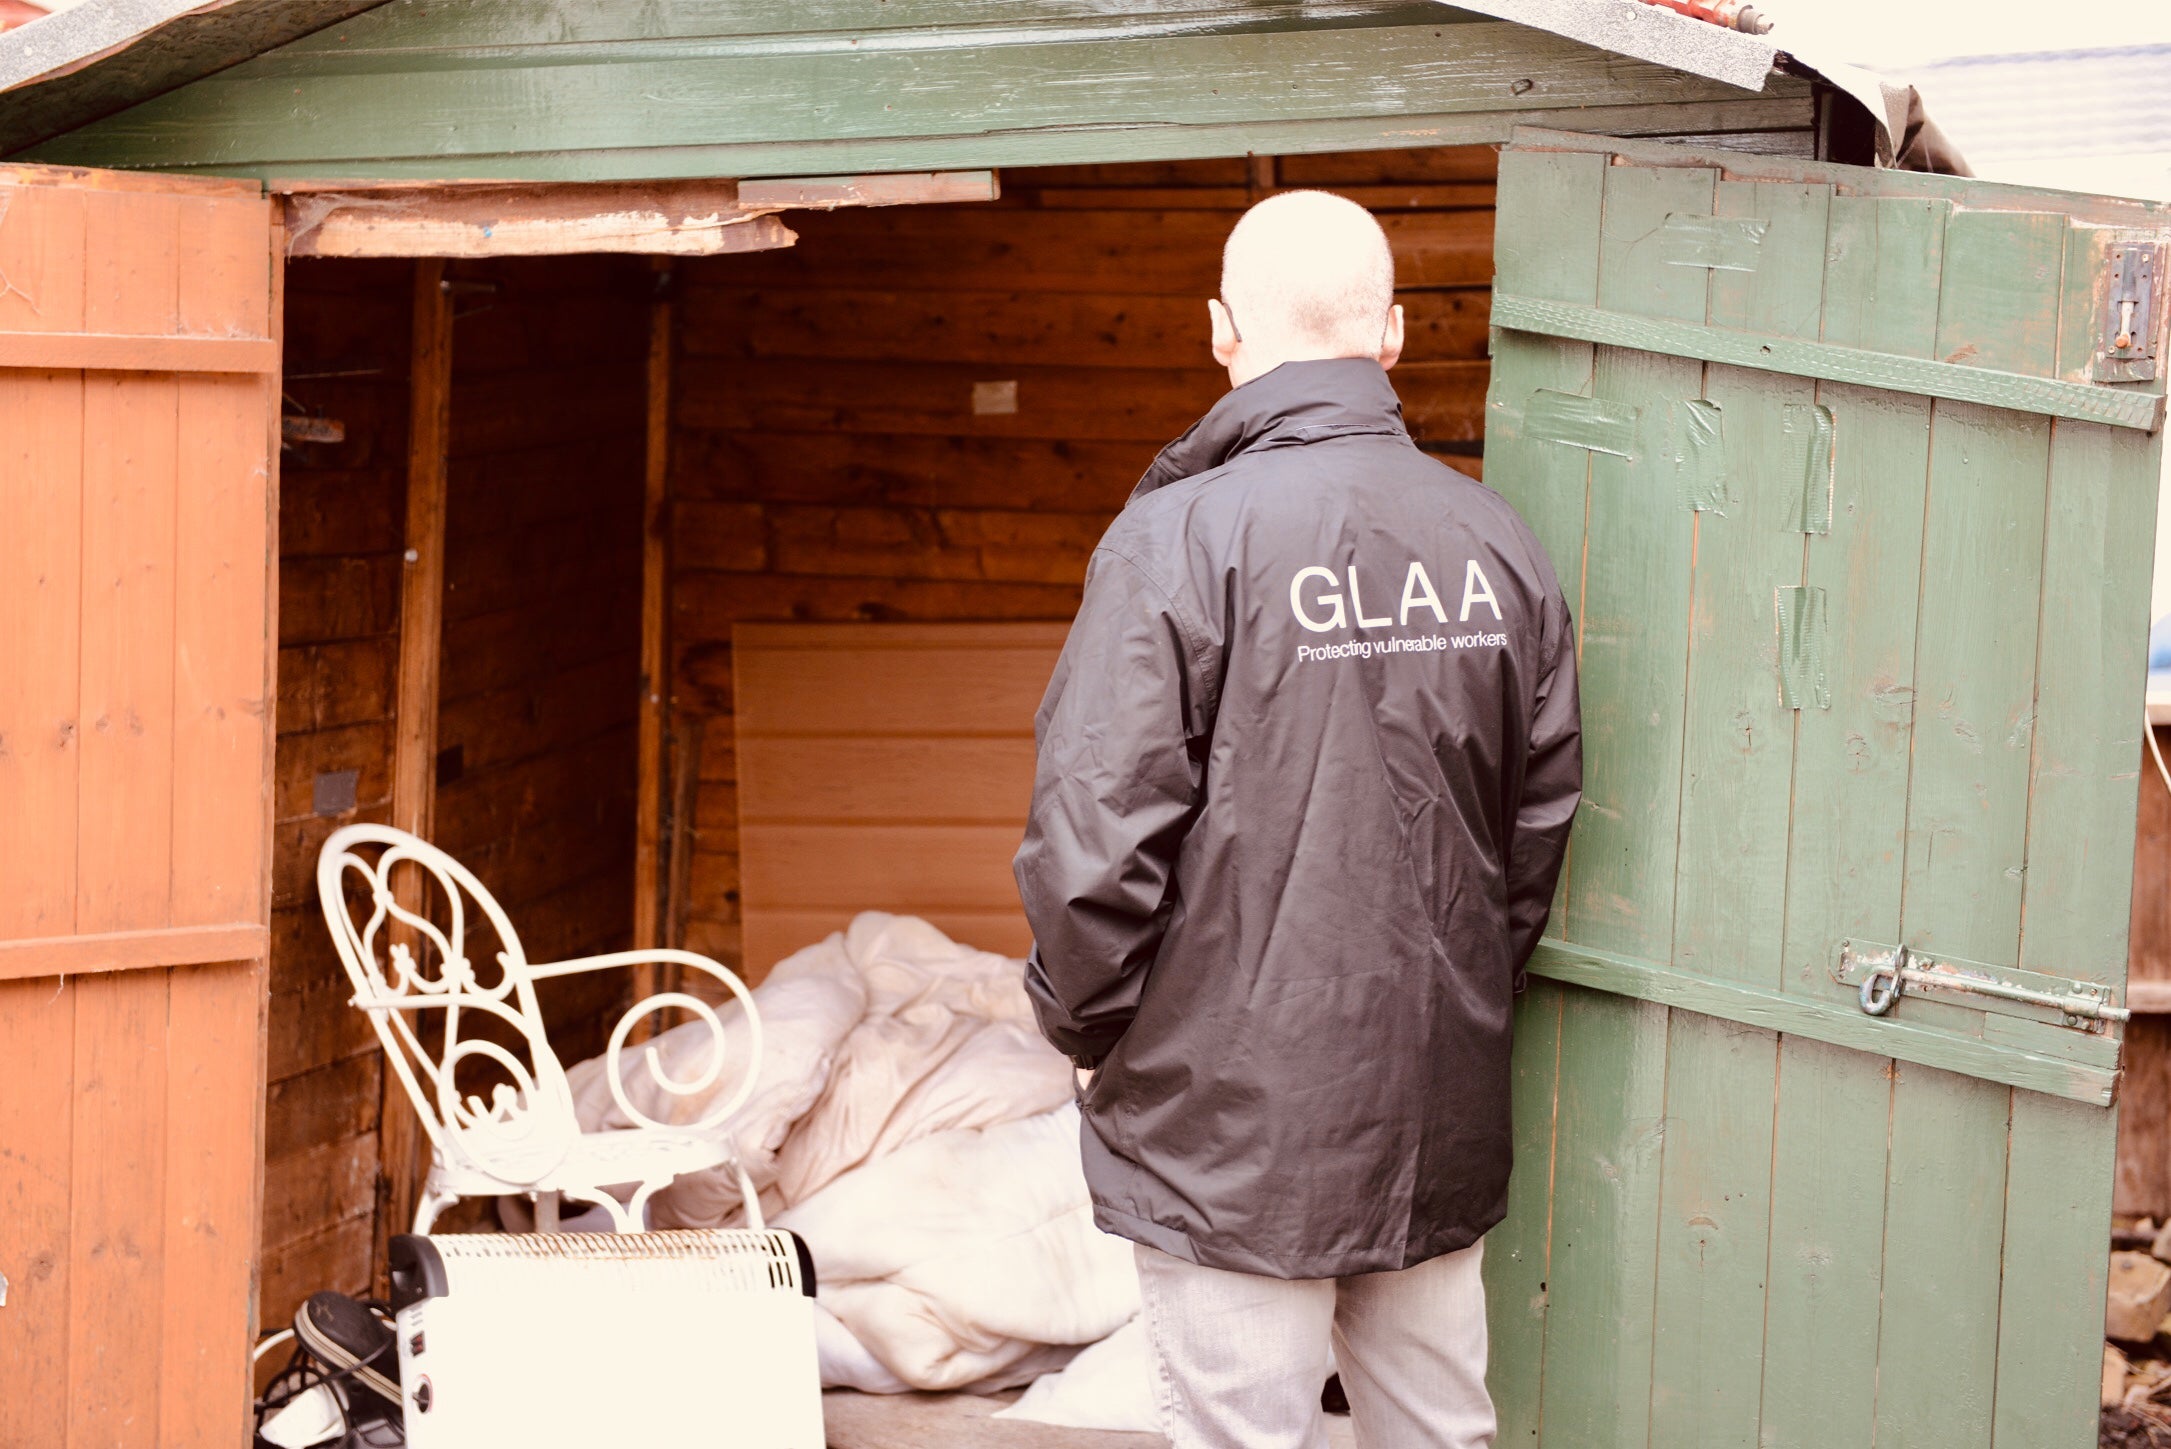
x: 551, y: 90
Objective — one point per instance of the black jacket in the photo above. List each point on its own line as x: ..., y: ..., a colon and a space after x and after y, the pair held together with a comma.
x: 1307, y: 768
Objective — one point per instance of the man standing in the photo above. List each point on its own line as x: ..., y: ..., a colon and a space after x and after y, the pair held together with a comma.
x: 1307, y: 768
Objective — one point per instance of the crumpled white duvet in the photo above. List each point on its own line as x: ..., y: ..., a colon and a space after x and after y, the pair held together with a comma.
x: 911, y: 1125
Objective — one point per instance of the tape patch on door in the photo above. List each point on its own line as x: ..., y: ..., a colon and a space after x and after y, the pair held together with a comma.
x: 1722, y: 243
x: 1699, y: 455
x: 1802, y: 684
x: 1808, y: 428
x: 1591, y: 423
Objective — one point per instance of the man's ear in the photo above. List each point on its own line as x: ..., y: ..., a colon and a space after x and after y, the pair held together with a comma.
x: 1224, y: 332
x: 1390, y: 342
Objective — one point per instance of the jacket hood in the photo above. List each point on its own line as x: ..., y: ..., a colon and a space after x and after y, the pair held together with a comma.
x: 1298, y: 402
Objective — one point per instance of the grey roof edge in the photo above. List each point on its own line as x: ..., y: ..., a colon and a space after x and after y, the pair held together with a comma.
x: 1645, y: 32
x: 67, y: 39
x: 77, y: 65
x: 1649, y: 32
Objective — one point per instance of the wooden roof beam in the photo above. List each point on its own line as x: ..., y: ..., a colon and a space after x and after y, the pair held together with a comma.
x: 903, y: 188
x: 666, y: 218
x: 679, y: 218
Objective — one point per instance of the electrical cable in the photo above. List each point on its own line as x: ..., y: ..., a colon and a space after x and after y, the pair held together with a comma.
x: 2148, y: 727
x: 304, y: 1371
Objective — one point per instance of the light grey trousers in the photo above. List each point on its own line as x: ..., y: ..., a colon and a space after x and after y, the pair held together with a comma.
x: 1239, y: 1359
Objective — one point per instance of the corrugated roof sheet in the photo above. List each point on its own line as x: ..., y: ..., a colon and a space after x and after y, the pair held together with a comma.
x: 2054, y: 103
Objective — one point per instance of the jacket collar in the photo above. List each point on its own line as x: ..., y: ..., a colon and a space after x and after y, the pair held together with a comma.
x: 1296, y: 403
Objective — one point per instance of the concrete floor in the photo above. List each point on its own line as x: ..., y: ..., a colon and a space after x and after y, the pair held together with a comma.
x: 961, y: 1421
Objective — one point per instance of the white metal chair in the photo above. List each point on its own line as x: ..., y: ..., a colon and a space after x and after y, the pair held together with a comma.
x: 526, y: 1139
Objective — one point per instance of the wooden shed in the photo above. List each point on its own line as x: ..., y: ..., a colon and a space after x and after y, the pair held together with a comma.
x: 653, y: 451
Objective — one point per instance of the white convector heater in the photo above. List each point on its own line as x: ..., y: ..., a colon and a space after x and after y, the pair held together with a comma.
x: 600, y: 1339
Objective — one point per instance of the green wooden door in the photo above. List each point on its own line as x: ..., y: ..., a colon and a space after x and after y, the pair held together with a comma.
x: 1859, y: 548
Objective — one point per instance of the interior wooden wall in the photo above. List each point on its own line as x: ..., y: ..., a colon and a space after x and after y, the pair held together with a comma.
x: 341, y: 523
x: 540, y: 681
x: 2144, y: 1109
x: 540, y: 657
x: 827, y: 459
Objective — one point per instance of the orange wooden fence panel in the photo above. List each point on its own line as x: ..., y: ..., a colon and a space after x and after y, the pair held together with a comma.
x: 138, y: 410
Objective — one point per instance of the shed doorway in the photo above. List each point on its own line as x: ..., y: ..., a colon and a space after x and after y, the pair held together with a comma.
x: 918, y: 414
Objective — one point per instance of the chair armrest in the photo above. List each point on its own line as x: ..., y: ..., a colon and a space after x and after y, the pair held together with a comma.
x: 662, y: 1001
x: 723, y: 974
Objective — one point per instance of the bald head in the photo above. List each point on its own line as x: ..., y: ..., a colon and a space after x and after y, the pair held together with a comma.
x: 1305, y: 275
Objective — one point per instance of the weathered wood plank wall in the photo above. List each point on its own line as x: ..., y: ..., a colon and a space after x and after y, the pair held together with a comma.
x: 340, y: 538
x: 1929, y: 1241
x: 830, y: 461
x: 541, y: 634
x: 535, y: 735
x: 2144, y: 1111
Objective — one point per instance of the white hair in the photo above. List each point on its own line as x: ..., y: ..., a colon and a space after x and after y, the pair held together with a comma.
x: 1309, y: 270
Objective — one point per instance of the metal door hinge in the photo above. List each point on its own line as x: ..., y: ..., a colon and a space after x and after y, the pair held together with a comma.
x: 1885, y: 973
x: 2126, y: 345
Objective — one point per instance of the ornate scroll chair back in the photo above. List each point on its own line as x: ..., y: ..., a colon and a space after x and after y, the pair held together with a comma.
x: 404, y: 965
x: 414, y: 960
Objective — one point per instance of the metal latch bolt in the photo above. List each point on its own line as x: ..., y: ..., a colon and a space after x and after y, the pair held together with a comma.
x: 1884, y: 974
x: 2126, y: 347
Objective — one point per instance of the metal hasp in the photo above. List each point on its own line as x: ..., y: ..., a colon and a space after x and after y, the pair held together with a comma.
x: 2126, y: 352
x: 1885, y: 973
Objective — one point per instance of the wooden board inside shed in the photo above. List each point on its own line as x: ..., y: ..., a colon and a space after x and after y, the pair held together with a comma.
x: 884, y: 767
